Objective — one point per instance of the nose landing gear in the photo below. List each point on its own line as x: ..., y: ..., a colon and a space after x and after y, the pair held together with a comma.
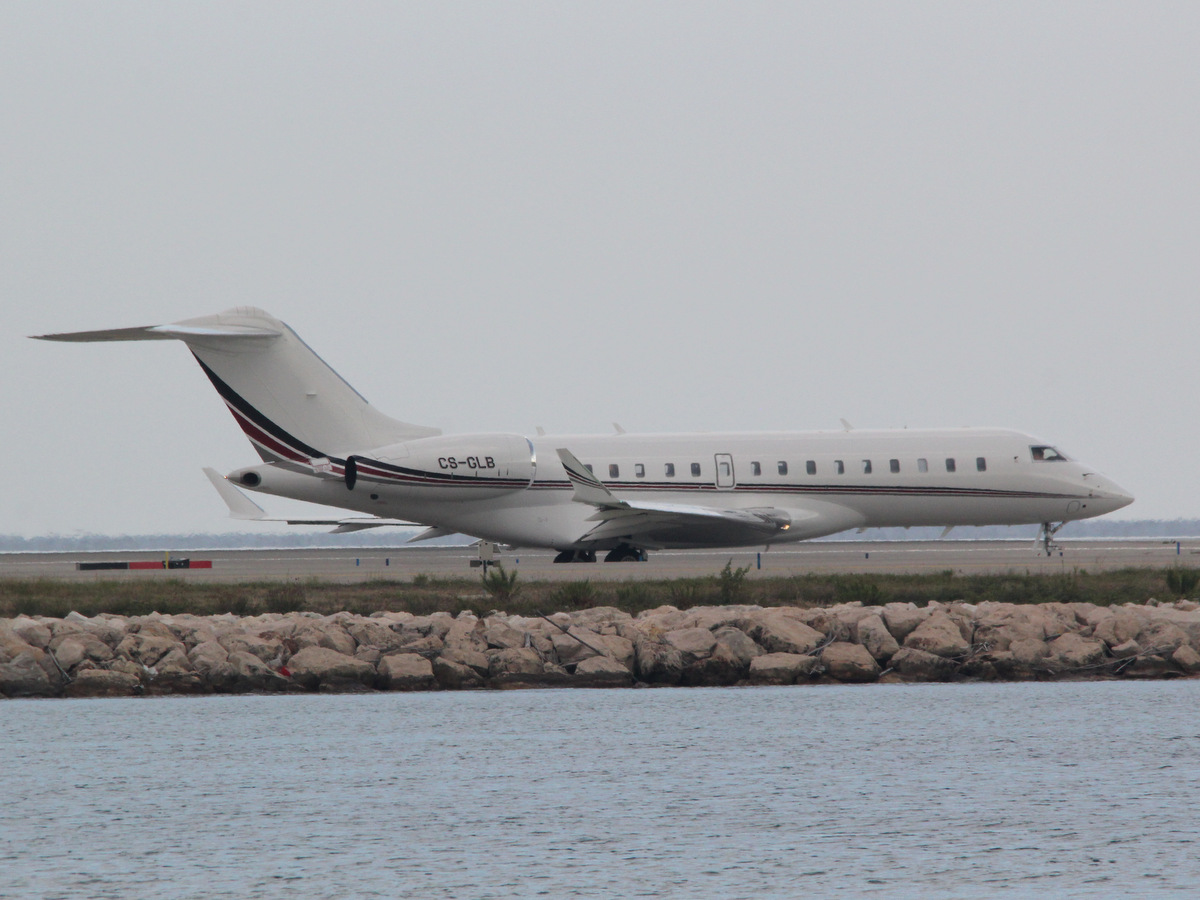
x: 1046, y: 535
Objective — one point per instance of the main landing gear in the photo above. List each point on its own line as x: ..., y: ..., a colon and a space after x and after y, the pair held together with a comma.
x: 1045, y: 537
x: 620, y: 553
x: 576, y: 556
x: 626, y: 553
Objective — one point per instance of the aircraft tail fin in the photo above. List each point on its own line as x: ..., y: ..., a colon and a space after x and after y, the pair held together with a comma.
x: 292, y: 406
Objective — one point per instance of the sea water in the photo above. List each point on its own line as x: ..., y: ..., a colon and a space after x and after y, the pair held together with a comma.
x: 1036, y: 789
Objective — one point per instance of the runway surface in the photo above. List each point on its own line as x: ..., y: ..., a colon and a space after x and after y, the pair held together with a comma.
x: 348, y: 565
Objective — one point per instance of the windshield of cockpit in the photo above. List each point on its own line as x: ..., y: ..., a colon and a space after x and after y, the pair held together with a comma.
x: 1044, y: 453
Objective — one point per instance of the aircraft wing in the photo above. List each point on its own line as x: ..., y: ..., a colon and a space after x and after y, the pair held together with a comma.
x: 666, y: 522
x: 242, y: 507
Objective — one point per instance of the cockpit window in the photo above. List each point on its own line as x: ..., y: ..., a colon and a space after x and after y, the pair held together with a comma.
x: 1048, y: 454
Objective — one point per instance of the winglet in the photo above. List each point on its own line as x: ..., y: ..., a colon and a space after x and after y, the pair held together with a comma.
x: 240, y: 506
x: 588, y: 488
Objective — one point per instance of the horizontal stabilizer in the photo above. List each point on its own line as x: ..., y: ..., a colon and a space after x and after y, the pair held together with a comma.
x: 159, y: 333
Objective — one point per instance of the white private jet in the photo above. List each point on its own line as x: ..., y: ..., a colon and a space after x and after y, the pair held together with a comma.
x: 625, y: 494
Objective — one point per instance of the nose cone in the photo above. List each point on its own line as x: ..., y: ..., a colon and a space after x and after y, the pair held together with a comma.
x: 1108, y: 496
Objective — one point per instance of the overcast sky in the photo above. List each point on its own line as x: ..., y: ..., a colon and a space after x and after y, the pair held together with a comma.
x: 676, y: 216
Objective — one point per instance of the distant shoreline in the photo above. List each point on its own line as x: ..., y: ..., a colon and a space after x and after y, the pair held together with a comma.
x: 396, y: 537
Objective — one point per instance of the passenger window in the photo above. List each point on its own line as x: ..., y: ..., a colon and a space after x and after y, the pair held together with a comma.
x: 894, y: 465
x: 588, y: 466
x: 981, y: 464
x: 922, y: 465
x: 866, y: 467
x: 669, y: 470
x: 839, y: 467
x: 639, y: 470
x: 950, y: 467
x: 614, y: 471
x: 695, y: 470
x: 811, y: 467
x: 755, y: 468
x: 782, y: 467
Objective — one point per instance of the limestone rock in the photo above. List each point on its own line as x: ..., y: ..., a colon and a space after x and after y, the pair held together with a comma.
x: 153, y: 628
x: 428, y: 646
x: 370, y: 655
x: 662, y: 618
x: 102, y: 683
x: 252, y: 674
x: 316, y: 667
x: 718, y: 668
x: 657, y: 661
x: 601, y: 671
x: 1126, y: 650
x: 406, y: 672
x: 874, y: 635
x: 780, y: 633
x: 738, y: 645
x: 1029, y: 652
x: 207, y: 655
x: 321, y: 633
x: 713, y: 617
x: 502, y: 636
x: 1149, y: 666
x: 1071, y: 651
x: 992, y: 665
x: 902, y: 619
x: 939, y: 635
x: 693, y: 643
x: 1118, y: 628
x: 922, y: 665
x: 1187, y: 659
x: 619, y: 648
x: 594, y: 616
x: 1162, y: 637
x: 466, y: 633
x: 71, y: 649
x: 849, y: 662
x: 374, y: 635
x: 849, y: 616
x: 31, y: 632
x: 22, y: 676
x: 576, y: 645
x: 465, y: 654
x: 515, y: 666
x: 781, y: 668
x: 450, y: 674
x: 175, y: 674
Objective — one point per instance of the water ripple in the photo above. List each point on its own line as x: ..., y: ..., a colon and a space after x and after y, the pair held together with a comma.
x: 1080, y: 789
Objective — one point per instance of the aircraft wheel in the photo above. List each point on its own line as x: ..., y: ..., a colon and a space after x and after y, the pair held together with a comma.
x: 626, y: 553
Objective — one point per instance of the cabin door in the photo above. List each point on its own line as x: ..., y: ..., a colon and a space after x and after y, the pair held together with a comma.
x: 725, y: 480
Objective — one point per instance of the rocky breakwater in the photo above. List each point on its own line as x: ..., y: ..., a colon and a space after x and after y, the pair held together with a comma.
x: 106, y: 655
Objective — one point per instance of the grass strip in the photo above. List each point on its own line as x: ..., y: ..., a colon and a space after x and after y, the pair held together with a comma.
x: 424, y: 594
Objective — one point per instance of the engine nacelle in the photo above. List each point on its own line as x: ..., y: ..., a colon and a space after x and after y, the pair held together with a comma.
x: 468, y: 466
